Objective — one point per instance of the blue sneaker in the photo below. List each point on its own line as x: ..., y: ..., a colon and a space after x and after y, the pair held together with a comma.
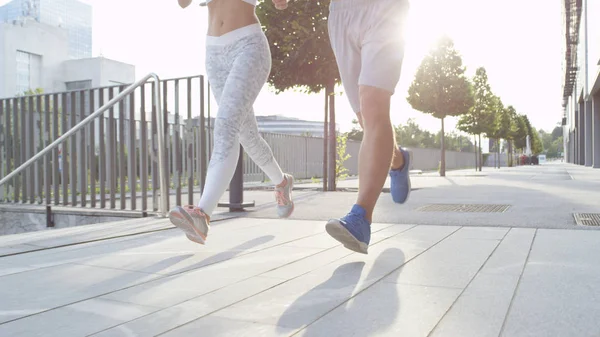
x: 353, y: 230
x: 400, y: 180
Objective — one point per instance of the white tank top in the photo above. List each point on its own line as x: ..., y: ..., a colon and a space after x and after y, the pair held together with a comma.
x: 252, y: 2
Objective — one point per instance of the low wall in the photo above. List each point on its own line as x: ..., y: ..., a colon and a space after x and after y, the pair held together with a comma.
x: 422, y: 159
x: 15, y: 219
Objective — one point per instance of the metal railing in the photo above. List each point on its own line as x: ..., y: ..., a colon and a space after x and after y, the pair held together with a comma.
x: 76, y: 160
x: 137, y: 148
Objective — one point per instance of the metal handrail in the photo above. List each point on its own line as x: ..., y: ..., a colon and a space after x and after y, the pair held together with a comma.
x: 163, y: 174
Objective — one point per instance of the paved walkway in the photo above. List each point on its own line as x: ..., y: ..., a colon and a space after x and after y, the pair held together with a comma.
x: 271, y: 277
x: 537, y: 197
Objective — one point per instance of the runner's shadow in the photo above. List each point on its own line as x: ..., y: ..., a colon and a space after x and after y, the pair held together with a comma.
x: 323, y: 297
x: 228, y: 254
x: 370, y: 312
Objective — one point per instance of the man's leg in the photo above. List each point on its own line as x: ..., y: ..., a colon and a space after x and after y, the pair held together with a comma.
x: 377, y: 147
x: 397, y: 157
x: 381, y: 54
x: 382, y: 57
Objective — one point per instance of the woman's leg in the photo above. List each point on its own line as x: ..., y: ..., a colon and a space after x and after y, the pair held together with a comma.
x: 237, y: 71
x: 245, y: 70
x: 260, y: 152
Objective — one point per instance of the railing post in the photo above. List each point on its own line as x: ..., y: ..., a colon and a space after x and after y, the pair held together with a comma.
x: 162, y: 161
x: 236, y: 188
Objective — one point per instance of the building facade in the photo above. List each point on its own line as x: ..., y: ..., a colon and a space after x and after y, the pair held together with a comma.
x: 36, y: 55
x: 72, y: 15
x: 581, y: 94
x: 31, y: 56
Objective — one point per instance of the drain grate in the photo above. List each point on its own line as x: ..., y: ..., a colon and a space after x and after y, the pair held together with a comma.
x: 587, y: 219
x: 464, y: 208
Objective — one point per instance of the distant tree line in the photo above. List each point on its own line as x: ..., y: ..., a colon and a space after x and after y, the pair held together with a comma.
x: 412, y: 136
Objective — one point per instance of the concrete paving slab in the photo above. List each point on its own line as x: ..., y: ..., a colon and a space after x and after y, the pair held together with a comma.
x: 511, y: 254
x: 172, y: 290
x: 273, y: 277
x: 481, y: 308
x: 223, y: 327
x: 534, y: 203
x: 36, y: 291
x: 79, y: 319
x: 452, y: 263
x: 386, y: 309
x: 557, y: 295
x: 173, y: 317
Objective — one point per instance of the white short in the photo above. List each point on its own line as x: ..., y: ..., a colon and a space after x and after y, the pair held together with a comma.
x: 367, y: 40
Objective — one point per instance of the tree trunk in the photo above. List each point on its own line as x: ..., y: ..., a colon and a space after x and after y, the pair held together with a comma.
x: 476, y: 154
x: 498, y: 152
x: 510, y: 154
x: 443, y: 154
x: 332, y: 141
x: 480, y: 155
x: 325, y: 133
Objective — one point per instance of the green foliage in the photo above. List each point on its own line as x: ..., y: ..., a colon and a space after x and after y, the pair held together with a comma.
x: 478, y: 116
x: 504, y: 122
x: 356, y: 133
x: 536, y: 143
x: 557, y: 132
x: 552, y: 142
x: 520, y: 133
x: 341, y: 172
x: 301, y: 52
x: 513, y: 124
x: 440, y: 87
x: 492, y: 129
x: 411, y: 135
x: 528, y: 126
x: 456, y: 142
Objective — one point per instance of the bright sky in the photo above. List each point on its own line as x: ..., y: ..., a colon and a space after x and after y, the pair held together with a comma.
x: 517, y: 41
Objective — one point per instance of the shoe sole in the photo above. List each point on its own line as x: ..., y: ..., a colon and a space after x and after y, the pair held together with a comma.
x: 337, y: 231
x: 178, y: 218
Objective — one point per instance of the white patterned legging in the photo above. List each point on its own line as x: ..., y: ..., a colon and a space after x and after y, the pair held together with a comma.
x: 238, y: 65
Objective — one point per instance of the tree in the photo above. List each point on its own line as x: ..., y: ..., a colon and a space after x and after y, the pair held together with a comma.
x: 511, y: 133
x: 411, y: 135
x: 494, y: 128
x: 536, y: 143
x: 528, y: 126
x: 473, y: 122
x: 552, y: 142
x: 302, y: 58
x: 341, y: 171
x: 557, y: 132
x: 356, y: 133
x: 440, y: 87
x: 520, y: 132
x: 529, y: 131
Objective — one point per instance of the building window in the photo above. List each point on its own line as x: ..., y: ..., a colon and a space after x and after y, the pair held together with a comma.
x: 28, y: 71
x: 79, y: 85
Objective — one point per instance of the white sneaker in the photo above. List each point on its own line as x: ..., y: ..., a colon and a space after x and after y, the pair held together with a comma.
x: 283, y: 195
x: 192, y: 221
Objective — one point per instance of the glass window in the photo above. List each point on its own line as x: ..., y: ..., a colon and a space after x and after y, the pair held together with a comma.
x: 79, y: 85
x: 23, y: 72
